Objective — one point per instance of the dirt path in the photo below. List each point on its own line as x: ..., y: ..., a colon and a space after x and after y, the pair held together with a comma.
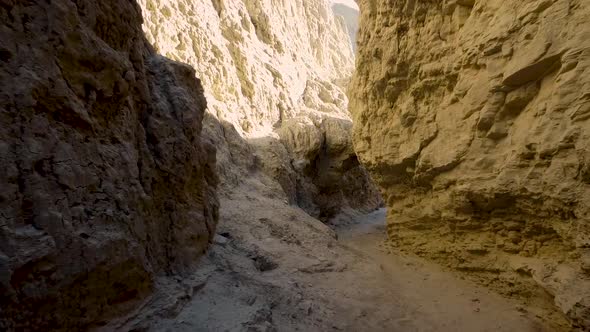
x: 274, y: 268
x: 441, y: 300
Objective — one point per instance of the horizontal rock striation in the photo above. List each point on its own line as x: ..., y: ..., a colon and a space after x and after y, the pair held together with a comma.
x: 472, y: 116
x: 106, y: 181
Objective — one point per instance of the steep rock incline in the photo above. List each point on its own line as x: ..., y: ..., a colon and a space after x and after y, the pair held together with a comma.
x: 351, y: 18
x: 106, y: 182
x: 473, y: 117
x: 273, y: 73
x: 262, y: 61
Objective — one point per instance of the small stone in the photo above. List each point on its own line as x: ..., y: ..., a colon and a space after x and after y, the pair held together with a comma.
x: 251, y: 300
x: 263, y: 263
x: 220, y: 240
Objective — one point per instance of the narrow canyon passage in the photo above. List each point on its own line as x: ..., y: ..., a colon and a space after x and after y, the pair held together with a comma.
x: 430, y: 298
x: 281, y: 276
x: 229, y: 165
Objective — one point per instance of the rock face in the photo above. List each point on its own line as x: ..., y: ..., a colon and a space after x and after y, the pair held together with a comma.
x: 351, y: 19
x: 324, y: 176
x: 263, y: 61
x: 274, y: 74
x: 473, y: 118
x: 106, y: 182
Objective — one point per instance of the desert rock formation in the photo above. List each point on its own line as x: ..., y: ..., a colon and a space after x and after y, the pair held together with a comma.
x: 472, y: 116
x: 275, y: 75
x: 109, y: 146
x: 106, y: 181
x: 351, y: 19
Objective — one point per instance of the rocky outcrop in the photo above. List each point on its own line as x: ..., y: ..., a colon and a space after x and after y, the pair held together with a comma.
x: 472, y: 116
x: 106, y: 181
x: 274, y: 74
x: 323, y: 174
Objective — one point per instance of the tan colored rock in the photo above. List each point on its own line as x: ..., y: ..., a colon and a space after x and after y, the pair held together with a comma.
x: 473, y: 121
x: 106, y: 182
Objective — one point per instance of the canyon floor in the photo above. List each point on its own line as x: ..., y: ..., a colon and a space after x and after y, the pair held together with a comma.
x: 274, y: 268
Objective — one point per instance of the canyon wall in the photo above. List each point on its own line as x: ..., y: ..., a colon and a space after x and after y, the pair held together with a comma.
x: 351, y: 18
x: 275, y: 74
x: 109, y: 147
x: 474, y: 119
x: 106, y: 181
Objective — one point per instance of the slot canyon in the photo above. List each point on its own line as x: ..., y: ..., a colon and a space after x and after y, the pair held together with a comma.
x: 294, y: 165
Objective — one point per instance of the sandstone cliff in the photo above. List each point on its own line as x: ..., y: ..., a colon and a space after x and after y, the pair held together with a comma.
x: 473, y: 117
x: 274, y: 74
x: 106, y: 181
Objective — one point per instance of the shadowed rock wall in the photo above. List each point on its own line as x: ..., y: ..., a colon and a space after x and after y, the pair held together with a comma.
x: 105, y: 179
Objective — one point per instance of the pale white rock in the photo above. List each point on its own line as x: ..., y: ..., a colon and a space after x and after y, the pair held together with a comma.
x: 349, y: 3
x: 261, y: 61
x: 472, y: 116
x: 274, y: 74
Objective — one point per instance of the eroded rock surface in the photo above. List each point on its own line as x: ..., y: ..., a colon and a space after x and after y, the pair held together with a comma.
x: 472, y: 116
x: 350, y: 13
x: 274, y: 74
x: 106, y: 181
x: 262, y: 61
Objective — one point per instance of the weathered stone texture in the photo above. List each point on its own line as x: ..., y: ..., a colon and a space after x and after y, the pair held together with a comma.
x: 472, y: 116
x: 274, y: 74
x: 262, y: 61
x: 105, y: 182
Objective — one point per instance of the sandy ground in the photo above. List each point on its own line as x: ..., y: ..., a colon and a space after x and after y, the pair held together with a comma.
x: 274, y: 268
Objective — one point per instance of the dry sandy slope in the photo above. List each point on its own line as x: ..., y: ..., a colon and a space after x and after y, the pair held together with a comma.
x: 277, y: 269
